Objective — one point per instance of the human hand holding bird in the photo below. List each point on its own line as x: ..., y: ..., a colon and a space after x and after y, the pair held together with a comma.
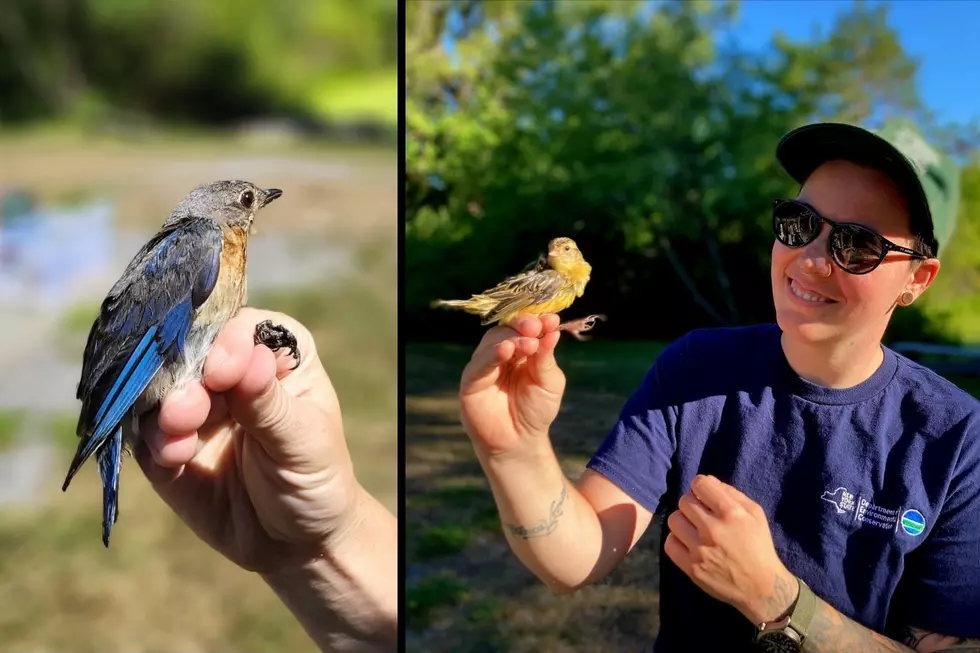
x: 548, y: 285
x: 512, y: 387
x: 253, y: 458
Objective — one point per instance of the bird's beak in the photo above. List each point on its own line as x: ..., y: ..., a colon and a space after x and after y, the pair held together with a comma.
x: 270, y: 194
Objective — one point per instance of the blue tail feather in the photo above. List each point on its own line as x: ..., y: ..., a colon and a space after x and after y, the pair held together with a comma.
x: 110, y: 464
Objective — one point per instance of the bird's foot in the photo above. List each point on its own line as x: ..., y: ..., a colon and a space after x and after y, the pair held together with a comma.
x: 276, y: 337
x: 577, y: 327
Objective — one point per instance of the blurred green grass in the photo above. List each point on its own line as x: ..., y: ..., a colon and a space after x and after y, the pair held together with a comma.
x: 10, y: 424
x: 438, y: 590
x: 359, y: 95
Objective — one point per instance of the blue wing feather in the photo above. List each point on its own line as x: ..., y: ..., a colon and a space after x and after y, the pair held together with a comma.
x: 125, y: 374
x: 142, y: 325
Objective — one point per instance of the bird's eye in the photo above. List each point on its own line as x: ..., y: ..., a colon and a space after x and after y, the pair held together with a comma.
x: 568, y: 248
x: 248, y: 198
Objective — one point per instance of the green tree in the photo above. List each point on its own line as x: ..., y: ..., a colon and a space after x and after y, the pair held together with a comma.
x: 184, y: 60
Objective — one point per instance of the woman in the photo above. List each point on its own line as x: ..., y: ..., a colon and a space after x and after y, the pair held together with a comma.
x: 819, y: 486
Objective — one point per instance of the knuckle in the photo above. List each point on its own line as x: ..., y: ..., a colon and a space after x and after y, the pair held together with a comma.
x: 741, y: 513
x: 698, y: 571
x: 710, y: 534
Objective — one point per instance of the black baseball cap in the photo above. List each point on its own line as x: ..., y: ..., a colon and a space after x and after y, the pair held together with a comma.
x: 929, y: 178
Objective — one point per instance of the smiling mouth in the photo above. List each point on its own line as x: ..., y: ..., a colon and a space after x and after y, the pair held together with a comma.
x: 808, y: 295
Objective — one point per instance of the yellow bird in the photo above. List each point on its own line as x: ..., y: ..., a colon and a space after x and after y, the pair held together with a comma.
x: 548, y: 285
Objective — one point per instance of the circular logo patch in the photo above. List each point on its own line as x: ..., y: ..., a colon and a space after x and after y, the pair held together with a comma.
x: 913, y: 522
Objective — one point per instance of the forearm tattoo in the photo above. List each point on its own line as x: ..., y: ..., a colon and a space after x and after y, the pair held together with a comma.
x: 545, y: 526
x: 832, y: 632
x: 914, y: 637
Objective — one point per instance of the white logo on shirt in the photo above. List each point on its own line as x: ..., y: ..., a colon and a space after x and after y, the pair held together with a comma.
x: 866, y: 513
x: 840, y: 498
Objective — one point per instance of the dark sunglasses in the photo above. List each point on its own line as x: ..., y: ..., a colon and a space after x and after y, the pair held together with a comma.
x: 853, y: 247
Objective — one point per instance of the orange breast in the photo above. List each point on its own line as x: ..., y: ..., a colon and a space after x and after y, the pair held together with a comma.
x: 230, y: 290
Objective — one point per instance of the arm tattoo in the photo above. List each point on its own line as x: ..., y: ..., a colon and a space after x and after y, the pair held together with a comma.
x: 832, y: 632
x: 912, y: 636
x: 783, y: 598
x: 543, y: 527
x: 937, y: 642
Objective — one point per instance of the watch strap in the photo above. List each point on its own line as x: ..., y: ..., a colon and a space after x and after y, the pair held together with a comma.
x: 797, y: 617
x: 806, y: 607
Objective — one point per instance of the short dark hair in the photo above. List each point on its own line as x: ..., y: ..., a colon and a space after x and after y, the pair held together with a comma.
x: 922, y: 246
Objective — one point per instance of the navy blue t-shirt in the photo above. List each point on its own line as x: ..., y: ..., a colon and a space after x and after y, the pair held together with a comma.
x: 872, y: 492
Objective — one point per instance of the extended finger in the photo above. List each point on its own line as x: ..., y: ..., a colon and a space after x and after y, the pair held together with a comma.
x: 549, y: 322
x: 484, y: 368
x: 543, y: 366
x: 526, y: 326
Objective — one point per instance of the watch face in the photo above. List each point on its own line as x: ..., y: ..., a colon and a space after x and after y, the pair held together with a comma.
x: 777, y: 642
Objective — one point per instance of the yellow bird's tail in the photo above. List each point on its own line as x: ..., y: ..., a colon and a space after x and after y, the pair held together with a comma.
x: 475, y: 305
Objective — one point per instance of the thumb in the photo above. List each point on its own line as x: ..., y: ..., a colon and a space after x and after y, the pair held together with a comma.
x: 282, y: 425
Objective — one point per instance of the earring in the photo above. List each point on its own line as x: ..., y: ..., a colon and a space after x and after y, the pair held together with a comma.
x: 907, y: 298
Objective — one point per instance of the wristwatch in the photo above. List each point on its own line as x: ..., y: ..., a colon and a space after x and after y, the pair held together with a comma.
x: 786, y: 635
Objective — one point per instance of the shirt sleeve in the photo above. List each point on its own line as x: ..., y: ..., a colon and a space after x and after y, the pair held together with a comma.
x: 940, y: 588
x: 636, y: 454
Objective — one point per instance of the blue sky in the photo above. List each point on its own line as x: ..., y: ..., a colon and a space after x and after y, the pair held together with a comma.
x: 935, y: 32
x: 942, y: 34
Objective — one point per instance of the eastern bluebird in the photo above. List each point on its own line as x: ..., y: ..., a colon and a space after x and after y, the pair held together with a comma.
x: 157, y: 324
